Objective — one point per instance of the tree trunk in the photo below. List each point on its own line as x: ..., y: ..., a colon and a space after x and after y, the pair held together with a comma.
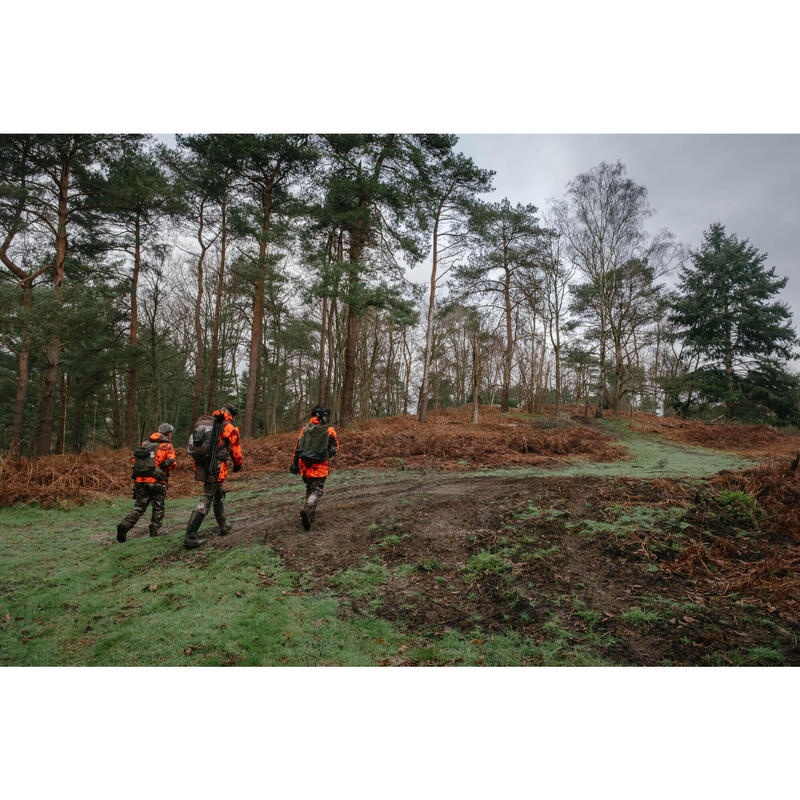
x: 22, y: 382
x: 133, y: 374
x: 557, y: 350
x: 351, y: 342
x: 63, y: 395
x: 323, y: 334
x: 332, y: 317
x: 198, y: 327
x: 476, y: 378
x: 50, y: 375
x: 212, y: 378
x: 248, y: 428
x: 618, y: 370
x: 407, y: 360
x: 80, y: 393
x: 422, y: 413
x: 504, y: 400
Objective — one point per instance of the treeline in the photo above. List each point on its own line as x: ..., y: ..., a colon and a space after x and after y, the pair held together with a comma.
x: 140, y: 282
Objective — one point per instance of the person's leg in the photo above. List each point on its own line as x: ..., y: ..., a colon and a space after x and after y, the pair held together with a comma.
x: 192, y: 538
x: 219, y: 511
x: 142, y: 500
x: 314, y: 490
x: 158, y: 494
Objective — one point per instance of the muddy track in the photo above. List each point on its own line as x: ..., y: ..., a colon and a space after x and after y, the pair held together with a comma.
x: 420, y: 532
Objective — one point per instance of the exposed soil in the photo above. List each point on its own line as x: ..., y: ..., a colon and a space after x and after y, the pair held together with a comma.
x: 709, y: 592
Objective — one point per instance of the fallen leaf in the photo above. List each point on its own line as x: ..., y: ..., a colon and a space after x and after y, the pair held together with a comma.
x: 287, y: 634
x: 153, y: 587
x: 688, y: 619
x: 402, y: 648
x: 240, y: 594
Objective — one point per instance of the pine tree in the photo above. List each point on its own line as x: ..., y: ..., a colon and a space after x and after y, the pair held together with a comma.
x: 508, y: 239
x: 729, y: 317
x: 136, y: 194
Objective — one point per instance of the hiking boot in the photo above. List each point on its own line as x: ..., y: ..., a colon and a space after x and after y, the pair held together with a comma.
x: 192, y: 539
x: 156, y: 531
x: 122, y: 533
x: 225, y: 529
x: 305, y: 516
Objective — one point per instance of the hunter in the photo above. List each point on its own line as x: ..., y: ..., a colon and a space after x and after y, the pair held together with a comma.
x: 211, y: 467
x: 316, y: 444
x: 152, y: 462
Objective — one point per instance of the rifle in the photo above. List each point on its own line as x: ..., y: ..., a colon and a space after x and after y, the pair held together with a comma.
x: 213, y: 468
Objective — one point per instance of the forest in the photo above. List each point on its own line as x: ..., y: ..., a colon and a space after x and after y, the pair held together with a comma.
x: 143, y: 281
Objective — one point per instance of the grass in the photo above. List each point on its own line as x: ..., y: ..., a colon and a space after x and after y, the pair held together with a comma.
x: 650, y: 456
x: 361, y: 582
x: 485, y: 563
x: 634, y: 519
x: 70, y: 595
x: 640, y: 617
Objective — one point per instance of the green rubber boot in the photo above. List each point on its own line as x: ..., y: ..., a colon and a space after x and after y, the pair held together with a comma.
x: 192, y: 539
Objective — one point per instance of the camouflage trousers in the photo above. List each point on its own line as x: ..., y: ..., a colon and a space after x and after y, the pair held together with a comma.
x: 314, y: 490
x: 144, y: 494
x: 213, y: 495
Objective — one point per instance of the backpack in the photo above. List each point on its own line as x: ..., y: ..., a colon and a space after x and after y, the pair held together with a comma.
x: 205, y: 435
x: 201, y: 439
x: 313, y: 444
x: 144, y: 460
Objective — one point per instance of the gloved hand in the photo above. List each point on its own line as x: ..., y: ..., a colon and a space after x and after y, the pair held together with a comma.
x: 294, y: 469
x: 237, y: 467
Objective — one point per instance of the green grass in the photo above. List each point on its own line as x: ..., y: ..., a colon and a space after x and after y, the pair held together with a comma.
x: 640, y: 617
x: 651, y: 456
x: 361, y: 582
x: 635, y: 519
x: 69, y: 594
x: 485, y: 563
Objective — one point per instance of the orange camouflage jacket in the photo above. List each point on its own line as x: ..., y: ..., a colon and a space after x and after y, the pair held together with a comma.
x: 321, y: 469
x: 228, y: 444
x: 165, y: 458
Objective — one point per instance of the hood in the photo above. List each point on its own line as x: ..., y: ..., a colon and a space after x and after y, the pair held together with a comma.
x: 158, y: 437
x: 226, y: 415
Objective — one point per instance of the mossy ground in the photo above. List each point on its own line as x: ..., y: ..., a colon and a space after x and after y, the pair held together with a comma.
x: 405, y: 567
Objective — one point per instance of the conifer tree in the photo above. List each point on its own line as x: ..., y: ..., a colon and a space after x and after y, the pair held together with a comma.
x: 730, y: 318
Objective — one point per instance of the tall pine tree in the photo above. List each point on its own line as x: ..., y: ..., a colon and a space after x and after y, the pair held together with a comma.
x: 729, y: 316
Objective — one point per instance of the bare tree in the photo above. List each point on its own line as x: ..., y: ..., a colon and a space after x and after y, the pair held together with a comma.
x: 602, y: 222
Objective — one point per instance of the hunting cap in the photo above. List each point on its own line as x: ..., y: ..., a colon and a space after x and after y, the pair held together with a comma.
x: 322, y: 413
x: 232, y: 408
x: 165, y: 428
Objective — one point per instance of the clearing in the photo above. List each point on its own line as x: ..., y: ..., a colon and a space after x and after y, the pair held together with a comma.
x: 650, y: 558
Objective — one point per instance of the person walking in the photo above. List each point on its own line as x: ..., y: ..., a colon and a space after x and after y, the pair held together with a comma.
x: 316, y: 445
x: 152, y: 462
x: 211, y: 467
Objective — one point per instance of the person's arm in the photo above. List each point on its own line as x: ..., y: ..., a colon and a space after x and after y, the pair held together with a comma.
x: 333, y: 443
x: 295, y: 468
x: 170, y: 460
x: 232, y: 437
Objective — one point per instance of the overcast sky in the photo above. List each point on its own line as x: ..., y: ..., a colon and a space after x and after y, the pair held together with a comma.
x: 749, y: 183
